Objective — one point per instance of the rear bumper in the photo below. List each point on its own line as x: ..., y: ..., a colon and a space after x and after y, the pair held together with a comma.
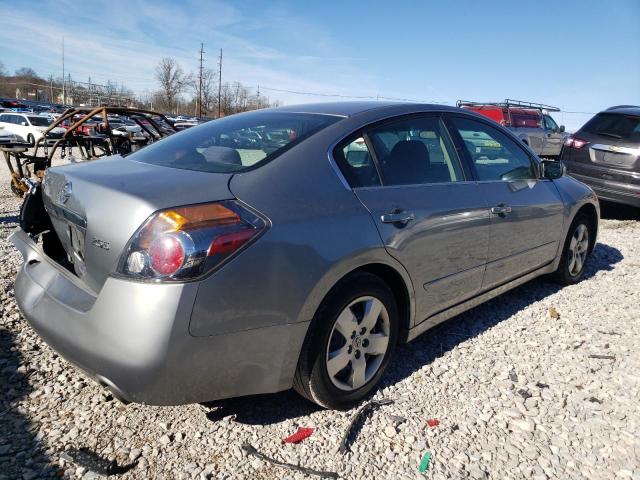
x: 134, y: 337
x: 611, y: 191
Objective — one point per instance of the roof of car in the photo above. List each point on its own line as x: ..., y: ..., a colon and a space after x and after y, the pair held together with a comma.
x: 347, y: 109
x: 624, y: 109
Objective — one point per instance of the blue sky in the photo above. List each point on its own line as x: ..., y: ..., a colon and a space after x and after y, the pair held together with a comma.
x: 580, y: 55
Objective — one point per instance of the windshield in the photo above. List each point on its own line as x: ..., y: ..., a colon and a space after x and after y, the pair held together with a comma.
x: 39, y: 121
x: 235, y: 143
x: 614, y: 125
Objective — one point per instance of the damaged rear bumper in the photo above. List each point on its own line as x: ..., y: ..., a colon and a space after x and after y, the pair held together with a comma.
x: 134, y: 337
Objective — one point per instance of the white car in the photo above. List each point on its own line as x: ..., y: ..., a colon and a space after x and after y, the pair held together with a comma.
x: 135, y: 131
x: 28, y: 126
x: 7, y: 137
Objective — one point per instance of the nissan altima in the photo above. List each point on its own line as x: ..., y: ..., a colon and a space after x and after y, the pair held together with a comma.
x: 289, y: 247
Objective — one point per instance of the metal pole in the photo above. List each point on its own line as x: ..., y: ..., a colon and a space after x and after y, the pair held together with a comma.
x: 219, y: 83
x: 64, y: 92
x: 200, y: 86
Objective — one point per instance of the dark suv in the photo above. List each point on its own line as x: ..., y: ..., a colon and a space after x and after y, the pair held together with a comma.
x: 605, y: 154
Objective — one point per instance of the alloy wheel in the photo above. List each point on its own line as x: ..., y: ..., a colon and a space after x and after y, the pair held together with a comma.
x: 578, y: 248
x: 358, y: 343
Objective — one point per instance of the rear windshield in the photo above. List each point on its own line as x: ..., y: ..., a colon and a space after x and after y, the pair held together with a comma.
x: 235, y: 143
x: 625, y: 127
x: 525, y: 118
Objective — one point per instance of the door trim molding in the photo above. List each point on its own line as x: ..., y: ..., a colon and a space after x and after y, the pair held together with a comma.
x: 451, y: 312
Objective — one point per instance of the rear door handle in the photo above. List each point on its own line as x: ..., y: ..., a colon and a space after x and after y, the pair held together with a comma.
x: 397, y: 217
x: 501, y: 209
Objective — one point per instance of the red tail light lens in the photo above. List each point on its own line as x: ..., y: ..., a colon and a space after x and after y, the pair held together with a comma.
x: 184, y: 243
x: 166, y: 255
x: 575, y: 142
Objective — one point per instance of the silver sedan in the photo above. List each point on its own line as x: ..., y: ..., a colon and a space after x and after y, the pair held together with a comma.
x: 289, y: 247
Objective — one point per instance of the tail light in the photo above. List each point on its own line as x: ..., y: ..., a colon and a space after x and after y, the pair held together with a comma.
x: 184, y: 243
x: 575, y: 142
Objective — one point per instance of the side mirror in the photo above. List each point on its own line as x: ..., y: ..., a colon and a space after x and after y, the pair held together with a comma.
x: 24, y: 124
x: 552, y: 169
x: 561, y: 129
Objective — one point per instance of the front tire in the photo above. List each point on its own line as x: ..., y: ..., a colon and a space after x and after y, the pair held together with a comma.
x: 577, y: 247
x: 350, y: 341
x: 31, y: 140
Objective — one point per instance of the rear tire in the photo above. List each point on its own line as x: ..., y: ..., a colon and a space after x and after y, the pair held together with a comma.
x: 576, y: 251
x: 349, y: 344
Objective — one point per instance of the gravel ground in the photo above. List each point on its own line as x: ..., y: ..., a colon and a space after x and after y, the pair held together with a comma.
x: 512, y: 383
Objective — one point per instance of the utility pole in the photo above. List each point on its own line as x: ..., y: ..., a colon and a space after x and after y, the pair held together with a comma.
x: 64, y: 92
x: 69, y: 87
x: 200, y: 83
x: 219, y: 83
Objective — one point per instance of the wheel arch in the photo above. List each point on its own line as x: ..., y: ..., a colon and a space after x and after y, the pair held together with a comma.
x: 398, y: 287
x: 389, y: 270
x: 589, y: 210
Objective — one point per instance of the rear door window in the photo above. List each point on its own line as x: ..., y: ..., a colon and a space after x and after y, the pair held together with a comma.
x: 494, y: 155
x: 356, y: 162
x: 407, y: 151
x: 415, y: 150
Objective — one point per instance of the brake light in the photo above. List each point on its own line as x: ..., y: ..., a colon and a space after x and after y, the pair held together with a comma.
x: 166, y: 255
x: 575, y: 142
x: 183, y: 243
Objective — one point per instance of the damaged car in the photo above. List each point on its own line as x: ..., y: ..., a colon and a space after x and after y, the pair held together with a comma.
x: 219, y: 262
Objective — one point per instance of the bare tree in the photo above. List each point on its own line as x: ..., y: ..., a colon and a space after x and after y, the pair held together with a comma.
x: 173, y: 81
x: 26, y: 72
x: 110, y: 90
x: 3, y: 70
x: 209, y: 91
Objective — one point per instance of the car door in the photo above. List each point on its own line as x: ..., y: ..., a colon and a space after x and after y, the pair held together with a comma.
x: 430, y: 216
x: 526, y: 211
x: 553, y: 138
x: 21, y: 126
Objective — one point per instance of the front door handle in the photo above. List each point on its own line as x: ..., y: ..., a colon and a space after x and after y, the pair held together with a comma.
x: 501, y: 210
x: 397, y: 217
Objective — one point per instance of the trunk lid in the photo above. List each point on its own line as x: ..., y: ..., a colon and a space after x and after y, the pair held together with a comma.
x: 622, y: 155
x: 96, y: 207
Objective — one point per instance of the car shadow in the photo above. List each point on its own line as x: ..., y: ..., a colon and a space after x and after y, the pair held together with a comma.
x: 618, y: 211
x: 446, y: 336
x: 410, y: 357
x: 22, y: 455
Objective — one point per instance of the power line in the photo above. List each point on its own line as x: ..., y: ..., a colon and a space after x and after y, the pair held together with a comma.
x: 359, y: 97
